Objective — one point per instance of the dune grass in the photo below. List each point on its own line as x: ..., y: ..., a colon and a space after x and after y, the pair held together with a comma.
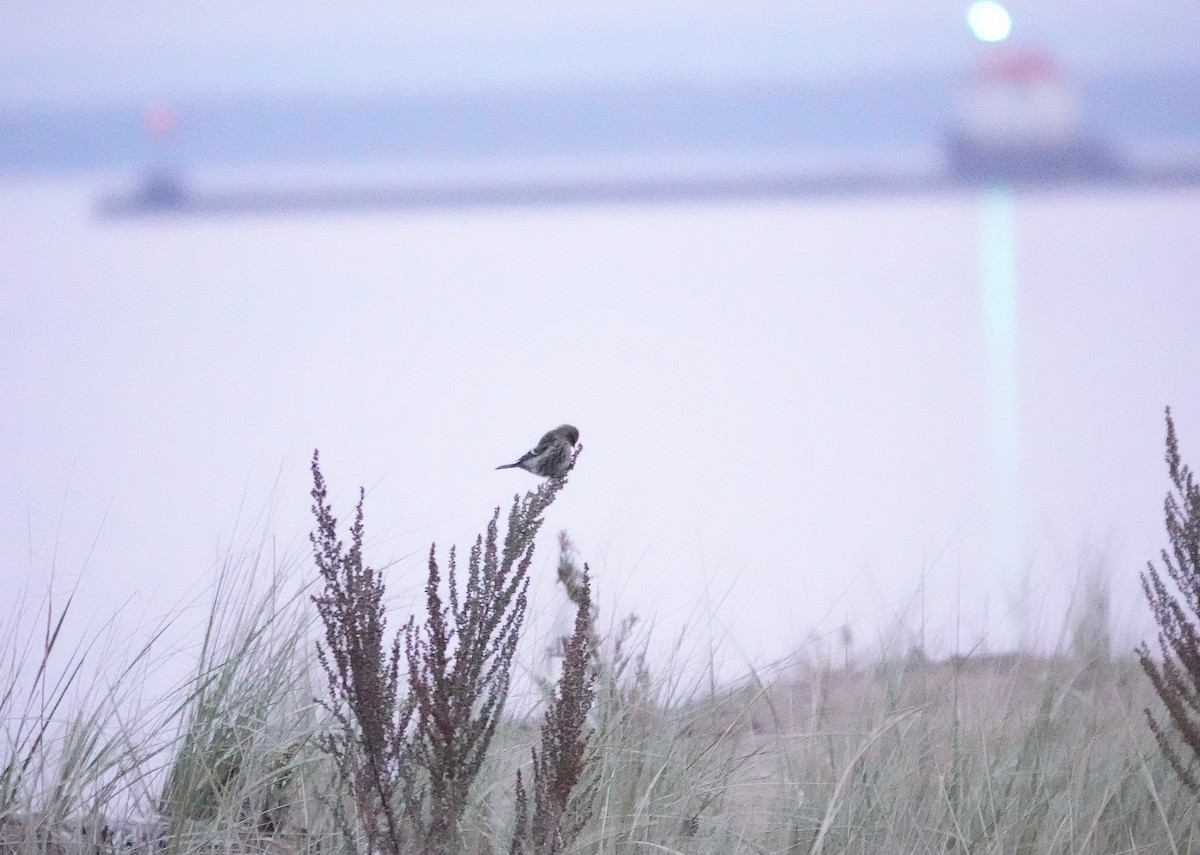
x: 999, y: 754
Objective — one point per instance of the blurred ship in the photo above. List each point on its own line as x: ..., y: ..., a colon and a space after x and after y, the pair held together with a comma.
x: 162, y: 187
x: 1021, y: 119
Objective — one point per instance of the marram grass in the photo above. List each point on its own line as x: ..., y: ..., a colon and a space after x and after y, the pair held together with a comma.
x: 1000, y: 754
x: 996, y: 755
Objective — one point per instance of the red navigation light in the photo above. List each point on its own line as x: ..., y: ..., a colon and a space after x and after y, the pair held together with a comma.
x: 159, y: 120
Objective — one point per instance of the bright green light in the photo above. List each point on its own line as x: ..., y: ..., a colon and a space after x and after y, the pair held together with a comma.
x: 989, y: 21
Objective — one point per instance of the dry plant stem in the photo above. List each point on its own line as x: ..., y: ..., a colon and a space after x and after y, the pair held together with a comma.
x: 561, y: 807
x: 411, y: 757
x: 520, y: 835
x: 1176, y: 679
x: 362, y: 674
x: 460, y: 660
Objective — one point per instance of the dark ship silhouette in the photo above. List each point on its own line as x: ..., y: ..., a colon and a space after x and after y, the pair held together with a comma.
x: 1020, y: 119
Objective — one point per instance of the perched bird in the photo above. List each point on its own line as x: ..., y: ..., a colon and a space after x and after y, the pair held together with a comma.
x: 551, y: 457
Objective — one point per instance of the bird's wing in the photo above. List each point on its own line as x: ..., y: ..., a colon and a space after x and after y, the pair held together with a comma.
x: 529, y: 455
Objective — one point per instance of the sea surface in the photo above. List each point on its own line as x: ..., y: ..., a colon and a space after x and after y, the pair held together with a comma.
x: 923, y: 418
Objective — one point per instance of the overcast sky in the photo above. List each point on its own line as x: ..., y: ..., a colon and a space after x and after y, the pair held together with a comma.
x: 67, y: 50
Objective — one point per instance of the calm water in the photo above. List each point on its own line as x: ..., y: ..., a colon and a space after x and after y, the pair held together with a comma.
x: 792, y: 413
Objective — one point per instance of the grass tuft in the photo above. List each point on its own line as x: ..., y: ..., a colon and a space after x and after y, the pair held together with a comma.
x: 410, y: 748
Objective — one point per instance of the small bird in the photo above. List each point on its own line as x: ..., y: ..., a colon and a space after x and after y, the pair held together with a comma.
x: 551, y: 457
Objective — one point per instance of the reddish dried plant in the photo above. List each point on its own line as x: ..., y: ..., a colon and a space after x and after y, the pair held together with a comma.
x: 1176, y: 673
x: 562, y: 797
x: 410, y: 753
x: 460, y: 660
x: 363, y: 676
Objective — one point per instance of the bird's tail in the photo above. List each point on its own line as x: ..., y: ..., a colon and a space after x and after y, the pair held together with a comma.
x: 509, y: 466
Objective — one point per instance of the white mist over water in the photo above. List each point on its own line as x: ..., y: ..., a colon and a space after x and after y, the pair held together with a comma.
x: 784, y: 406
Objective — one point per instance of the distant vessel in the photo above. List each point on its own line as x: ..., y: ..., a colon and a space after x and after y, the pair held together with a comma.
x: 162, y: 187
x: 1020, y: 118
